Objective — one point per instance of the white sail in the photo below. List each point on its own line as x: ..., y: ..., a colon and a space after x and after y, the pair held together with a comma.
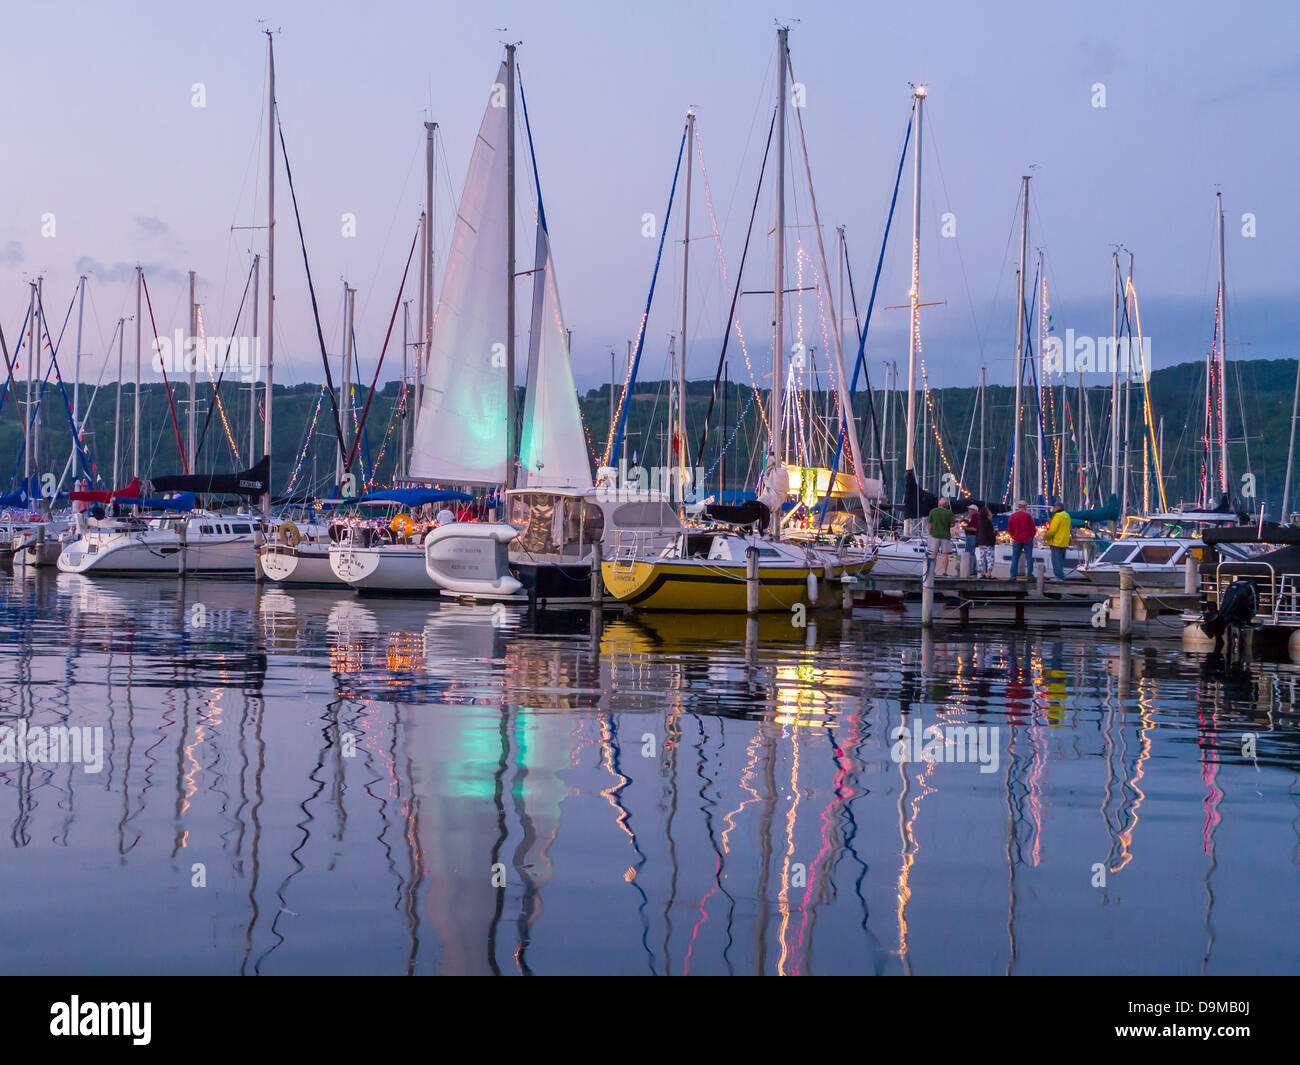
x: 553, y: 446
x: 460, y: 432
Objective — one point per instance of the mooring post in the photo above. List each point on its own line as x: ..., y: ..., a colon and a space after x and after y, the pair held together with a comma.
x: 927, y: 594
x: 180, y: 555
x: 1189, y: 575
x: 751, y: 579
x: 597, y: 578
x: 1042, y: 579
x: 846, y: 597
x: 963, y: 565
x: 1125, y: 602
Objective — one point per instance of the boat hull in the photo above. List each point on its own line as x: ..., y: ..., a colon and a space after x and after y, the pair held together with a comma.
x: 387, y: 570
x: 695, y: 586
x: 304, y: 564
x: 142, y: 554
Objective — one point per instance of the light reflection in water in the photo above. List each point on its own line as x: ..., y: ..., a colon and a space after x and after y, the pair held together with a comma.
x: 424, y: 787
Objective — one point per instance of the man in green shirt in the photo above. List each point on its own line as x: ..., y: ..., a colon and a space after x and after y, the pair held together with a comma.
x: 939, y: 544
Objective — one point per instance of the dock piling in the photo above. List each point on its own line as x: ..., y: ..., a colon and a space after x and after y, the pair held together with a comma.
x: 1189, y: 575
x: 751, y: 579
x: 1125, y: 602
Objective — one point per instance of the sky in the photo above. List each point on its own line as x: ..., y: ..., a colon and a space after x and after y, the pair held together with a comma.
x: 109, y: 162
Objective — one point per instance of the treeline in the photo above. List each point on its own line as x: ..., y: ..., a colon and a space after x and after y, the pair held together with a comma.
x: 950, y: 426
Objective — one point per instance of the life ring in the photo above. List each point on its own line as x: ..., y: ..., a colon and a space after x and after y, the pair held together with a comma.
x: 290, y: 535
x: 402, y: 524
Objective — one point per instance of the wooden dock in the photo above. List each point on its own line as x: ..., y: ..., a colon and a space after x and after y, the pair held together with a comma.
x: 1073, y: 603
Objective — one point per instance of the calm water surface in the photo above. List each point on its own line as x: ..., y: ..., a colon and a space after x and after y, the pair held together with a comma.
x: 302, y: 782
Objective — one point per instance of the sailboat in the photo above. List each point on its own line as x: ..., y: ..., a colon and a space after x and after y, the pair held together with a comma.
x: 707, y: 569
x: 465, y: 434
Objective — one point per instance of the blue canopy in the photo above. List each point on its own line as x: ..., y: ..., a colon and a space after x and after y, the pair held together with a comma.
x: 414, y: 497
x: 182, y: 502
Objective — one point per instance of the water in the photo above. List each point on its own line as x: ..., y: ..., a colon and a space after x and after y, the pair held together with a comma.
x: 304, y: 782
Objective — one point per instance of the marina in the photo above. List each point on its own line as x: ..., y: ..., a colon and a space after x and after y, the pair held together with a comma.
x: 411, y: 566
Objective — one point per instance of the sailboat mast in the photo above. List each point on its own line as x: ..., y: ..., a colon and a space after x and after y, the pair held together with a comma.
x: 1114, y: 377
x: 778, y: 287
x: 1020, y: 337
x: 117, y: 413
x: 76, y: 376
x: 33, y: 339
x: 679, y: 439
x: 982, y: 496
x: 193, y: 360
x: 135, y: 419
x: 426, y: 266
x: 345, y: 401
x: 403, y: 459
x: 914, y: 330
x: 511, y: 399
x: 1043, y: 390
x: 252, y: 385
x: 1290, y: 449
x: 270, y: 255
x: 1223, y: 354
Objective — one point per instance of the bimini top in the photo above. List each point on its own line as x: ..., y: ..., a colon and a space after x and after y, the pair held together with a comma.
x: 178, y: 503
x: 401, y: 497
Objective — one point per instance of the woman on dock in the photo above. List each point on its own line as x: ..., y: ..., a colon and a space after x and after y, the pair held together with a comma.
x: 986, y: 538
x: 970, y: 526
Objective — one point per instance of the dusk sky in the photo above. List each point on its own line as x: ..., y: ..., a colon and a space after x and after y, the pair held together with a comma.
x: 102, y: 132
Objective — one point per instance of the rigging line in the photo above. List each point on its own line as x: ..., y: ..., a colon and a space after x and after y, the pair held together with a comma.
x: 382, y: 351
x: 216, y: 385
x: 961, y: 262
x: 735, y: 294
x: 58, y: 377
x: 176, y: 425
x: 861, y: 361
x: 613, y: 446
x: 311, y: 288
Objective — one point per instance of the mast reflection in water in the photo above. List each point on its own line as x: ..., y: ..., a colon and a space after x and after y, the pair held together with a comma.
x: 303, y: 781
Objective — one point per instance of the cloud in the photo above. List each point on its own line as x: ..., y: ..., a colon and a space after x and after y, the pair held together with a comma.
x: 11, y: 254
x: 123, y: 273
x: 152, y: 227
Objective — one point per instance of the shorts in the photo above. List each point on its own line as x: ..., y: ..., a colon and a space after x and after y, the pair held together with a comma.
x: 936, y: 547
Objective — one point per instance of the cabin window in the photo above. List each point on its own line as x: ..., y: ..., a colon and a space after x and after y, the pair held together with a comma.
x: 1158, y: 554
x: 1116, y: 554
x: 644, y: 515
x: 243, y: 528
x: 207, y: 530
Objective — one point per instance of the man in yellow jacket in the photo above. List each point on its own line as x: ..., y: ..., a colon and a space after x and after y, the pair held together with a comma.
x: 1057, y: 539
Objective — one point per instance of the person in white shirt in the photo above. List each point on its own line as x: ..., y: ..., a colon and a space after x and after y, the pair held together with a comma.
x: 446, y: 517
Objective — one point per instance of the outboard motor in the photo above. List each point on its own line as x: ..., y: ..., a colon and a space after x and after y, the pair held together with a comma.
x: 1237, y: 607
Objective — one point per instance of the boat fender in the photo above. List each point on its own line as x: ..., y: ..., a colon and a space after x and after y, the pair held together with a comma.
x: 812, y: 586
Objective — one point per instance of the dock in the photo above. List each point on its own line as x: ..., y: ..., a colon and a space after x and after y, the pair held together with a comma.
x: 1072, y: 603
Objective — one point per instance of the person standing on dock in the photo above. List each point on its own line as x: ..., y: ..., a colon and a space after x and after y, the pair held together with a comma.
x: 970, y: 527
x: 986, y: 536
x: 1057, y: 539
x: 1022, y: 529
x: 940, y: 545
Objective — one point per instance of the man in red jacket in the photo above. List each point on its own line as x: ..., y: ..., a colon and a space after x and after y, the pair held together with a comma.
x: 1022, y: 529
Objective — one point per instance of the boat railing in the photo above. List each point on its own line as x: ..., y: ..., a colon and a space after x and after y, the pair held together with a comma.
x: 628, y: 547
x: 1276, y: 601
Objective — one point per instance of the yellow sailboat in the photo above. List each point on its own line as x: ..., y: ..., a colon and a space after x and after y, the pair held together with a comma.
x: 706, y: 571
